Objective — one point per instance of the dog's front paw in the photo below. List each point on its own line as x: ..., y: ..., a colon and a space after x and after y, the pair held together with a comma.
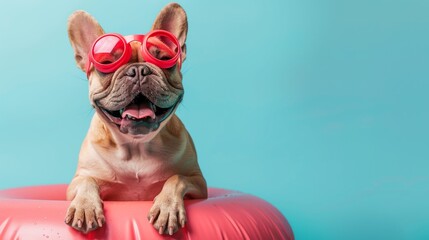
x: 167, y: 213
x: 85, y: 214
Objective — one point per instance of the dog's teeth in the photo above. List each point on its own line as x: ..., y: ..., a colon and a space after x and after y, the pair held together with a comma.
x: 128, y: 117
x: 121, y: 111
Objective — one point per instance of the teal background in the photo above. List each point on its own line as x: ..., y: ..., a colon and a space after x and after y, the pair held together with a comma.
x: 319, y: 107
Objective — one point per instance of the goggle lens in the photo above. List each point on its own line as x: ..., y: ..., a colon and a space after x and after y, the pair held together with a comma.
x: 108, y: 49
x: 161, y: 48
x: 108, y: 53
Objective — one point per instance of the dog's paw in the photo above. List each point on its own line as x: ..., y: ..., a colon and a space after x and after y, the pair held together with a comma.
x: 85, y: 214
x: 167, y: 214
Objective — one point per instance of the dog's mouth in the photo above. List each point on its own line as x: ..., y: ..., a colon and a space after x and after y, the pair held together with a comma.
x: 139, y: 113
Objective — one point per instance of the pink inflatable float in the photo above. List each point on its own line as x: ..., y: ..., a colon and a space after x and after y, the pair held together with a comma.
x: 33, y: 213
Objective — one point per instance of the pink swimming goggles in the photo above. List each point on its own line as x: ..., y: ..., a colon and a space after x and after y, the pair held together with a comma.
x: 110, y: 51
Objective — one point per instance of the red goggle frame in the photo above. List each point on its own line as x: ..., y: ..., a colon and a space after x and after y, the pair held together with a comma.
x: 110, y: 51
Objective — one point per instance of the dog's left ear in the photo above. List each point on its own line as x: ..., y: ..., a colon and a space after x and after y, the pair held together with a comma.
x: 173, y: 18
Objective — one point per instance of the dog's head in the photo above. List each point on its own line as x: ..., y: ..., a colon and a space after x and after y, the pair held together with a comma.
x: 135, y: 83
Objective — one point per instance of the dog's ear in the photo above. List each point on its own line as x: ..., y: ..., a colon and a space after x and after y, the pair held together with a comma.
x: 173, y: 18
x: 83, y: 30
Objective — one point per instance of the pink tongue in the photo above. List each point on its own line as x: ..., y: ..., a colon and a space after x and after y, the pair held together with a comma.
x: 139, y: 111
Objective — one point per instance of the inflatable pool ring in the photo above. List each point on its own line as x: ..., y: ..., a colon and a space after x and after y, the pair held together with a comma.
x: 33, y: 213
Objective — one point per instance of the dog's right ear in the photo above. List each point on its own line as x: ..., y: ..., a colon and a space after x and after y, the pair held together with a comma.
x: 83, y: 30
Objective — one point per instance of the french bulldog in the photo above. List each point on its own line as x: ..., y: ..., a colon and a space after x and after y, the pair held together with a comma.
x: 136, y: 147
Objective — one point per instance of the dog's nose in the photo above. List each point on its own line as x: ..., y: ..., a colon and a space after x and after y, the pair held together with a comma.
x: 138, y: 71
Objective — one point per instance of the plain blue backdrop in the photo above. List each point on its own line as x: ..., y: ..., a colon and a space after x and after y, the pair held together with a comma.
x: 319, y: 107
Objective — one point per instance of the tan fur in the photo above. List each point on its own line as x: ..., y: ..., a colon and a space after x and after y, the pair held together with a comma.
x: 160, y: 166
x: 103, y: 137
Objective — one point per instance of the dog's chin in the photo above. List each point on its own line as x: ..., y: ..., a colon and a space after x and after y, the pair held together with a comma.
x: 140, y: 117
x: 137, y: 127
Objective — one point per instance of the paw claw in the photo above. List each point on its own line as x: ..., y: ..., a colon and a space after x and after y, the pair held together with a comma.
x: 100, y: 222
x: 84, y: 215
x: 79, y: 223
x: 151, y: 219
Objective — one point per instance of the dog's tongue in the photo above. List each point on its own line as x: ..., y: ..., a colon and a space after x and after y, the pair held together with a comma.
x: 139, y: 111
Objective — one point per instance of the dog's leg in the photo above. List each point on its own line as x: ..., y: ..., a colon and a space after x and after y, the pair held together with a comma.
x: 168, y: 210
x: 85, y: 212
